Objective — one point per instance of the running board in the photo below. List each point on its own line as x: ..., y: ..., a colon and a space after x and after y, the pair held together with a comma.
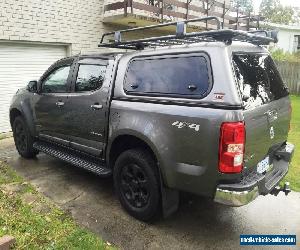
x: 89, y: 163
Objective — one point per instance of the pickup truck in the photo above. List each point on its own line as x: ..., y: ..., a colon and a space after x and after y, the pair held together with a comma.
x: 204, y: 112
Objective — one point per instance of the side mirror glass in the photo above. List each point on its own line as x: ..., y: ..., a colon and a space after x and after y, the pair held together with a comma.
x: 32, y: 86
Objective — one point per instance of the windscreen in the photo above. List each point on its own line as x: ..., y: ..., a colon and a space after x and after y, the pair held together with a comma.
x: 258, y: 79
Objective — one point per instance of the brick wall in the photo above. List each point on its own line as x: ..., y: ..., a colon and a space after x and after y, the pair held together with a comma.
x: 74, y: 22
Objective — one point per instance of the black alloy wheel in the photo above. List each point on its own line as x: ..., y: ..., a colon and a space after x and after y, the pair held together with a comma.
x: 20, y: 136
x: 136, y: 180
x: 134, y: 185
x: 23, y: 139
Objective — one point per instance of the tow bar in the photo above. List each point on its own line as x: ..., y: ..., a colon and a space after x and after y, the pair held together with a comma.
x: 286, y: 189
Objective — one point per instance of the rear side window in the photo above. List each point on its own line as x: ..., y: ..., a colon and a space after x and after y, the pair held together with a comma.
x: 90, y: 77
x: 258, y: 79
x: 175, y: 76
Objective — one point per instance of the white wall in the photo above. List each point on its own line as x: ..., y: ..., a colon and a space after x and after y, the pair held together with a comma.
x: 286, y: 40
x: 74, y: 22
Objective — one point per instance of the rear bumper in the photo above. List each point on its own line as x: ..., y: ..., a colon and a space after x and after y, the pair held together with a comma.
x: 235, y: 198
x: 253, y: 184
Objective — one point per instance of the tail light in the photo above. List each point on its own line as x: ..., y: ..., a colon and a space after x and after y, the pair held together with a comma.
x: 232, y: 147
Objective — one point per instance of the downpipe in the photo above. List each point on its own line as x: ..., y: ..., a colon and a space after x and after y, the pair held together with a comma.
x: 286, y: 189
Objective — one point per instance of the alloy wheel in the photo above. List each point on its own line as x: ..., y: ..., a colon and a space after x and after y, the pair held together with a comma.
x: 134, y: 185
x: 21, y: 137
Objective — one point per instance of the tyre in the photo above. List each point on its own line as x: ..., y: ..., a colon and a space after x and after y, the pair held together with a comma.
x: 23, y: 139
x: 136, y: 182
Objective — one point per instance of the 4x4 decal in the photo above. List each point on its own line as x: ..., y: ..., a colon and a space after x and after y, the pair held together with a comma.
x: 180, y: 124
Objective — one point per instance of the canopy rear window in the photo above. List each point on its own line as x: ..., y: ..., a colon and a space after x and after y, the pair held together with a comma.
x: 258, y: 79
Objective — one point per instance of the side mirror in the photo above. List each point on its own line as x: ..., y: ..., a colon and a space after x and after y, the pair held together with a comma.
x: 273, y: 34
x: 32, y: 86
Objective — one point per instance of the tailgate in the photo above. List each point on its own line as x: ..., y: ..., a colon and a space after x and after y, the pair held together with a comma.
x: 266, y: 105
x: 266, y: 130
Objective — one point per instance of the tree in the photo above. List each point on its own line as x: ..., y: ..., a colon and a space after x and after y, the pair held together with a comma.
x: 274, y: 12
x: 296, y: 16
x: 244, y: 5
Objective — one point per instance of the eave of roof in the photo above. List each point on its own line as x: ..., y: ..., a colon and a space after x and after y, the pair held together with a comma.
x: 282, y: 26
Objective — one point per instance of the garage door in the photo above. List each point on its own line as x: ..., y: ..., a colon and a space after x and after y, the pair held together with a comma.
x: 20, y: 63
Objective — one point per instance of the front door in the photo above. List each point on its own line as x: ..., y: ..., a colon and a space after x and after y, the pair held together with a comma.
x: 52, y: 103
x: 89, y: 102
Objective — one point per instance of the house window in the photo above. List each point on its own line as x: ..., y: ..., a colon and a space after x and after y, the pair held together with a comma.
x: 297, y: 42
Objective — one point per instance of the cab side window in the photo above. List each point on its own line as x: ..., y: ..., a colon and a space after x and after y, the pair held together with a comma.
x: 90, y: 77
x: 57, y: 81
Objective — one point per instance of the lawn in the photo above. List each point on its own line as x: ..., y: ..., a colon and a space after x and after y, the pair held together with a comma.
x: 5, y: 135
x: 36, y: 222
x: 294, y: 137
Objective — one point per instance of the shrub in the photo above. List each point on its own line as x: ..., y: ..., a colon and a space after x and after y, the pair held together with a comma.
x: 280, y: 55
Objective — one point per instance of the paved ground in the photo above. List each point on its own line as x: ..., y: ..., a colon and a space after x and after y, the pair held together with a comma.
x: 199, y: 223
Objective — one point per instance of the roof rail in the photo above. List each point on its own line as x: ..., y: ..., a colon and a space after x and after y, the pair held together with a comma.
x: 181, y: 37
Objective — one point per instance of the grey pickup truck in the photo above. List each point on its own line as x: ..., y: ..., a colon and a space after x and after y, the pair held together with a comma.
x: 201, y: 112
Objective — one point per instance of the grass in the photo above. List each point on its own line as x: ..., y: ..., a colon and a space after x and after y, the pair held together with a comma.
x: 293, y: 175
x: 5, y: 135
x: 38, y: 224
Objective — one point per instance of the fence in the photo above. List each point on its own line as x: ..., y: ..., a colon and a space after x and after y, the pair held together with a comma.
x: 290, y: 73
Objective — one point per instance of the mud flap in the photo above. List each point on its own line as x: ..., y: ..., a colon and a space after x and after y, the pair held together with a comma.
x: 170, y: 199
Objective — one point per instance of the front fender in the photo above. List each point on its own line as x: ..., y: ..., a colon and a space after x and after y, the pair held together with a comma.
x: 22, y: 104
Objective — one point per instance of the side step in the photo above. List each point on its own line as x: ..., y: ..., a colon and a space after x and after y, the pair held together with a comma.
x: 89, y: 163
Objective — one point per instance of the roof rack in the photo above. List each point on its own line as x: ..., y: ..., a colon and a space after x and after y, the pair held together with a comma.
x: 257, y: 37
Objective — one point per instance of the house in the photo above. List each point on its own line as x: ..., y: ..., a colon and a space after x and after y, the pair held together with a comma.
x: 288, y: 37
x: 36, y: 33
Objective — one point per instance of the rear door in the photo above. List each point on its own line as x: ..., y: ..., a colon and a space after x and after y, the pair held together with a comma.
x: 88, y: 105
x: 266, y: 104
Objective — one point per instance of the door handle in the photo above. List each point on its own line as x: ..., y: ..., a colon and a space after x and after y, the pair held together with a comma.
x: 59, y: 103
x: 96, y: 106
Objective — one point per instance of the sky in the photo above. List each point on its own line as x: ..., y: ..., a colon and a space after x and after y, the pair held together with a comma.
x: 283, y: 2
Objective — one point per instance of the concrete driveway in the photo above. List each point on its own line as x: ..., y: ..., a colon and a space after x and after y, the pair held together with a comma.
x: 199, y: 223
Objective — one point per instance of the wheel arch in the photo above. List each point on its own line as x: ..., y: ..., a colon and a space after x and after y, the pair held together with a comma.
x: 128, y: 140
x: 124, y: 141
x: 26, y: 114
